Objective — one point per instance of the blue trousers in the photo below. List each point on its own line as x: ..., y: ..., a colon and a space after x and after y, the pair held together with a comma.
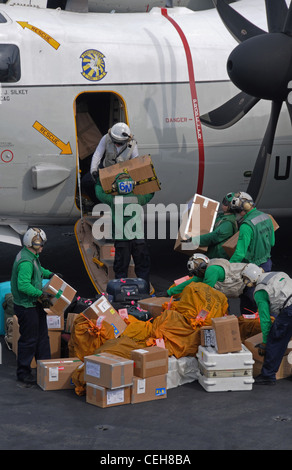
x: 278, y: 339
x: 247, y: 302
x: 34, y: 339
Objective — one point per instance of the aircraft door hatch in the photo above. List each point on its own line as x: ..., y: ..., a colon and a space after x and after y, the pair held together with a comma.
x: 96, y: 113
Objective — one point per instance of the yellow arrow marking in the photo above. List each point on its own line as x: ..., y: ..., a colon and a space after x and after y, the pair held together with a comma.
x: 39, y: 32
x: 66, y: 148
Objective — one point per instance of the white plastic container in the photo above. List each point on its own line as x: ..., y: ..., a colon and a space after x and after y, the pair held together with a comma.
x: 225, y: 372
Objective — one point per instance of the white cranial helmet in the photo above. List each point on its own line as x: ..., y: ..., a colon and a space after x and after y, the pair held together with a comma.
x: 120, y: 132
x: 251, y: 272
x: 242, y: 202
x: 197, y: 264
x: 34, y: 238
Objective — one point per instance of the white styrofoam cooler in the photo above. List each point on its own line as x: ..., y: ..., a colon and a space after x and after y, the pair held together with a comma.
x: 225, y: 372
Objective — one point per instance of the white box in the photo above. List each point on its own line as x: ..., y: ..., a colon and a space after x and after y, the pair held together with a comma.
x: 211, y: 360
x: 225, y: 372
x: 226, y: 384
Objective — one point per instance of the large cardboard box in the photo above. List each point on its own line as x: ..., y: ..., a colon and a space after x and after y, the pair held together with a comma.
x: 88, y: 135
x: 150, y: 388
x: 153, y: 305
x: 140, y: 169
x: 103, y: 309
x: 230, y: 245
x: 63, y: 294
x: 55, y: 374
x: 108, y: 370
x: 105, y: 398
x: 227, y: 334
x: 150, y: 361
x: 198, y: 219
x: 54, y: 337
x: 285, y: 369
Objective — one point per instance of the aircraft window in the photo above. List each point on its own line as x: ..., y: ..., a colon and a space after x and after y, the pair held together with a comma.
x: 2, y: 19
x: 9, y: 63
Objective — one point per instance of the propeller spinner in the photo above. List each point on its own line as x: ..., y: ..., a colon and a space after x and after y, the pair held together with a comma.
x: 261, y: 67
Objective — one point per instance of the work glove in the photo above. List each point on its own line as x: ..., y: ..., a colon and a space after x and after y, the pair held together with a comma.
x: 46, y: 300
x: 262, y: 348
x: 161, y: 294
x: 95, y: 176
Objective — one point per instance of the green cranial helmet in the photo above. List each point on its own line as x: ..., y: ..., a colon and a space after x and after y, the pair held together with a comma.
x: 123, y: 184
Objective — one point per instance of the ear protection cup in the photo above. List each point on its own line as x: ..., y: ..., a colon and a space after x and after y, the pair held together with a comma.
x: 246, y: 206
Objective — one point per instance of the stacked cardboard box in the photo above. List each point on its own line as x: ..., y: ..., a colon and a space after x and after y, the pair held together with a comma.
x: 103, y: 310
x: 150, y: 374
x: 108, y: 379
x: 112, y: 380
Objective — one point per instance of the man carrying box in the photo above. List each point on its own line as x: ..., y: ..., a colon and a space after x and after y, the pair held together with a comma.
x: 127, y: 231
x: 29, y: 303
x: 273, y: 296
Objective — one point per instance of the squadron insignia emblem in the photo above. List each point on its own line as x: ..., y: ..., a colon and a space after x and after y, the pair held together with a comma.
x: 93, y: 65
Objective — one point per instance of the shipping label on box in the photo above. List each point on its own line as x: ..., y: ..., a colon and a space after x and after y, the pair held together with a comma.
x: 55, y: 321
x: 140, y: 169
x: 227, y: 334
x: 103, y: 308
x: 150, y: 361
x: 104, y: 397
x: 108, y: 370
x: 198, y: 219
x: 63, y: 294
x: 149, y: 388
x: 55, y: 374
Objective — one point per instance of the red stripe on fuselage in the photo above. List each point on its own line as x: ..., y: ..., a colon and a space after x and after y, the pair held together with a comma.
x: 195, y: 104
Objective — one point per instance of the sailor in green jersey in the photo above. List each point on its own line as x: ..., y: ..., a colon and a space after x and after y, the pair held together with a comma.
x: 28, y: 297
x: 218, y: 273
x: 225, y: 226
x: 127, y: 230
x: 255, y: 241
x: 273, y: 296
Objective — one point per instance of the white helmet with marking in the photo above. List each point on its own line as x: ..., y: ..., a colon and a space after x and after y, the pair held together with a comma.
x: 242, y: 202
x: 34, y: 238
x: 120, y: 133
x: 197, y: 264
x: 251, y: 273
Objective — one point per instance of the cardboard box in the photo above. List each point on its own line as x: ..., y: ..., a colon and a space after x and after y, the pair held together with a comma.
x: 153, y: 305
x: 55, y: 321
x: 227, y: 334
x: 208, y: 337
x: 108, y: 370
x: 140, y: 169
x: 103, y: 308
x: 62, y: 292
x: 199, y: 219
x: 71, y: 317
x: 285, y: 369
x: 150, y: 361
x: 230, y: 245
x: 55, y: 374
x: 150, y: 388
x: 54, y: 337
x: 88, y: 135
x: 105, y: 398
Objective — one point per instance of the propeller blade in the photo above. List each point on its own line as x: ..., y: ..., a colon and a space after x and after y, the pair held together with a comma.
x: 230, y: 112
x: 240, y: 28
x: 276, y: 15
x: 261, y: 168
x: 288, y: 23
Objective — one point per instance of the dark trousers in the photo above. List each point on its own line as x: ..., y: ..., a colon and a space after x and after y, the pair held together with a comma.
x: 278, y: 339
x: 34, y: 340
x: 139, y: 250
x: 247, y: 302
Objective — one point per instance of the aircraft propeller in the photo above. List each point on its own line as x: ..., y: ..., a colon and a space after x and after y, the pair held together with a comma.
x: 261, y: 67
